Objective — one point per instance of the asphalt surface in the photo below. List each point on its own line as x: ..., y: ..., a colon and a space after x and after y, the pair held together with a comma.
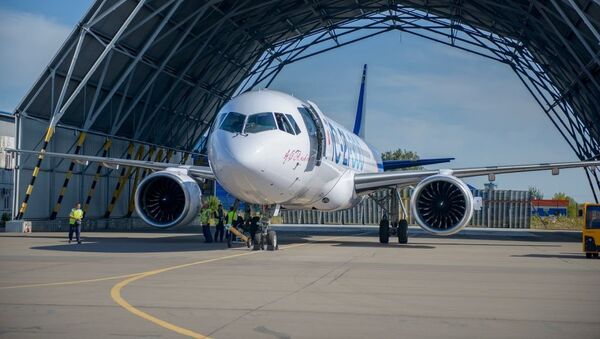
x: 324, y: 282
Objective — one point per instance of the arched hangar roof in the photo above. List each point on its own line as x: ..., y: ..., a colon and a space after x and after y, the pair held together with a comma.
x: 156, y: 71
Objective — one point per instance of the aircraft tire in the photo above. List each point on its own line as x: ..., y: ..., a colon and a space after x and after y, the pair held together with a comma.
x: 403, y: 231
x: 272, y: 244
x: 588, y: 255
x: 384, y: 231
x: 257, y: 243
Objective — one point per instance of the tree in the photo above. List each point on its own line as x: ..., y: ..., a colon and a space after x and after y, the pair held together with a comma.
x: 535, y: 193
x: 402, y: 154
x: 572, y: 209
x: 213, y: 202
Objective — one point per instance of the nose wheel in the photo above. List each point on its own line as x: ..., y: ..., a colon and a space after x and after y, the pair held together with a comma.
x: 266, y: 238
x: 265, y: 241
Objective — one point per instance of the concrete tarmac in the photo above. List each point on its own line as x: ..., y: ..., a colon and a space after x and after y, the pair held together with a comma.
x: 325, y: 282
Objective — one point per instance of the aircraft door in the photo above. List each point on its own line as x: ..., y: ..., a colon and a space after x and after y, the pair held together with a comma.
x: 321, y: 143
x: 316, y: 133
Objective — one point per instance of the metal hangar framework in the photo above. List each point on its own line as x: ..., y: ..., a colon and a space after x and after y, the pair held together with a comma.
x: 144, y: 78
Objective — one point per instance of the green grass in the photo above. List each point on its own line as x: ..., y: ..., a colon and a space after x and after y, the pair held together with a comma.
x: 560, y: 223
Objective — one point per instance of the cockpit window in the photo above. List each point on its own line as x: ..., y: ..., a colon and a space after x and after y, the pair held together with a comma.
x: 283, y: 123
x: 234, y: 122
x: 260, y: 122
x: 294, y: 124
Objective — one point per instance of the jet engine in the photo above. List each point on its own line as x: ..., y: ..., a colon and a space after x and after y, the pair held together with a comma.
x: 442, y: 204
x: 168, y: 198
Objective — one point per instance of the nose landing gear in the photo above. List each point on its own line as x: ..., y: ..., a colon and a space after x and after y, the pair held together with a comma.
x: 265, y: 237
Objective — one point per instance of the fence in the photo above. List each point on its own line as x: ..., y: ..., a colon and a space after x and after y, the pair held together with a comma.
x: 501, y: 209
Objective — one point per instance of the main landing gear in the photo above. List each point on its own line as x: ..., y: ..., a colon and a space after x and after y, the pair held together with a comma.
x: 266, y: 238
x: 399, y: 228
x: 391, y: 203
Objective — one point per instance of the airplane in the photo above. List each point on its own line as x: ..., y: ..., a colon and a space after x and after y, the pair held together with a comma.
x: 269, y: 148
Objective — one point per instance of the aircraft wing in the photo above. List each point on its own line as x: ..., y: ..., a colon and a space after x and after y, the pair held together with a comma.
x: 202, y: 172
x: 370, y: 181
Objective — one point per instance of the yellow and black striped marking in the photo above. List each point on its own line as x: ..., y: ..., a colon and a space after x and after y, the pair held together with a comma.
x: 157, y: 158
x: 88, y: 199
x: 185, y: 158
x: 63, y: 190
x: 136, y: 180
x: 125, y: 173
x: 36, y: 171
x: 169, y: 155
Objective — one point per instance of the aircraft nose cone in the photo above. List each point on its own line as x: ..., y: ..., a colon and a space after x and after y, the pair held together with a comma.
x: 239, y: 164
x: 236, y: 151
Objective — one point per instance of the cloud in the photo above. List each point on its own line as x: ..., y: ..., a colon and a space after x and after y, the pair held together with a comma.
x: 29, y: 42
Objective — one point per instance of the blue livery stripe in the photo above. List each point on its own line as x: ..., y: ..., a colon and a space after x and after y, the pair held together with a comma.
x: 396, y: 164
x: 358, y: 121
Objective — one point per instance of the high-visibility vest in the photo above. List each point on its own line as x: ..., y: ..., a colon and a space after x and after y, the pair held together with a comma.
x: 231, y: 217
x: 75, y: 215
x: 205, y: 216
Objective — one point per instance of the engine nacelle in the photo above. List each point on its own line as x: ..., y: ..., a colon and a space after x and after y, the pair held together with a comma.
x: 442, y: 204
x: 168, y: 198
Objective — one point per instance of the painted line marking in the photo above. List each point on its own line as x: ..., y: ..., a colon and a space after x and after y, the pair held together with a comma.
x: 115, y: 292
x: 70, y: 282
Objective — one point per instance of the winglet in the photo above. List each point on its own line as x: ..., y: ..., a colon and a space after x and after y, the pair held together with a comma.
x: 359, y: 122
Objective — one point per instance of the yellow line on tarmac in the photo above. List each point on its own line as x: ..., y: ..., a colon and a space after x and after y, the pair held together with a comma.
x: 75, y: 282
x: 115, y: 292
x: 70, y: 282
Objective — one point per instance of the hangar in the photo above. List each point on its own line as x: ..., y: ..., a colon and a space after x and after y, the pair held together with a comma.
x: 143, y: 79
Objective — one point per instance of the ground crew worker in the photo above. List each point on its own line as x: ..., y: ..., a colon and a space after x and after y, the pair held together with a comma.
x: 205, y: 216
x: 254, y: 225
x: 75, y: 218
x: 220, y: 216
x: 247, y: 219
x: 230, y: 219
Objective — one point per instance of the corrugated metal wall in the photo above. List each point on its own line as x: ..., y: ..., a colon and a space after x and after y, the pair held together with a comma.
x: 501, y: 209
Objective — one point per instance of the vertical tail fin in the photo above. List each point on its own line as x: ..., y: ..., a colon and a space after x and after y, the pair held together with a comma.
x: 359, y: 122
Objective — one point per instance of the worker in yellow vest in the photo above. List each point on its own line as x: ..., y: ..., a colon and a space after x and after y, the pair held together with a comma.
x: 230, y: 220
x: 205, y: 216
x: 75, y: 218
x: 219, y: 216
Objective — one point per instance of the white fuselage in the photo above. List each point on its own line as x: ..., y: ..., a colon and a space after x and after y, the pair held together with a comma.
x: 269, y: 150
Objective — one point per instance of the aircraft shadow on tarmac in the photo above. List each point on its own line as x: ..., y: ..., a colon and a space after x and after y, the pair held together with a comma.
x: 170, y: 243
x: 374, y: 244
x: 177, y: 242
x: 553, y: 256
x: 188, y: 243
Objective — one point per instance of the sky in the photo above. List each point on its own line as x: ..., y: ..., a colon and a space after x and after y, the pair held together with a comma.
x: 421, y: 95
